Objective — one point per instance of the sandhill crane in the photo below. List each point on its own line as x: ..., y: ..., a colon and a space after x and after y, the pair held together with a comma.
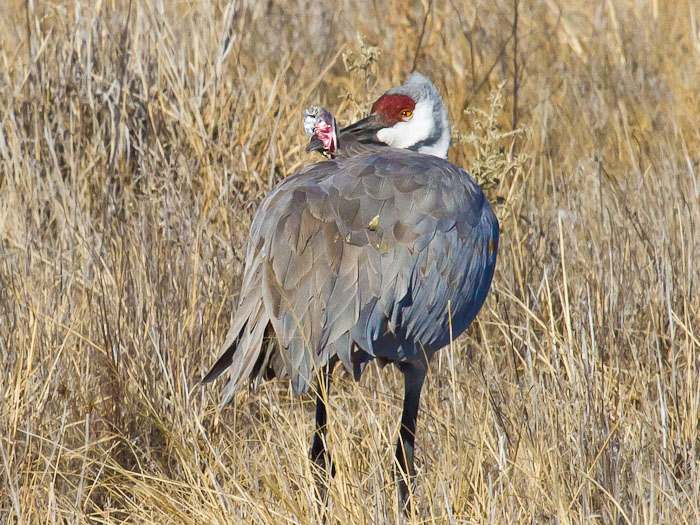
x: 385, y: 252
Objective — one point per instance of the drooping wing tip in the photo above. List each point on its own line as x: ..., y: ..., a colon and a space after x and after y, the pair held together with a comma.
x: 219, y: 367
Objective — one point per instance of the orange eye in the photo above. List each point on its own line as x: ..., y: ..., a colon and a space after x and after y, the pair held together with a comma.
x: 406, y: 114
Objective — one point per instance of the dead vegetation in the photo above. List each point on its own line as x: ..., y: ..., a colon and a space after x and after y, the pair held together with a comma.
x: 136, y: 139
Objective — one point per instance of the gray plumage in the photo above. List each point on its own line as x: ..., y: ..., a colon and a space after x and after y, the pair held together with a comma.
x: 358, y: 258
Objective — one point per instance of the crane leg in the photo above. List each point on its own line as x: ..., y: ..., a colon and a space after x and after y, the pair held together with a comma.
x: 319, y: 455
x: 414, y: 377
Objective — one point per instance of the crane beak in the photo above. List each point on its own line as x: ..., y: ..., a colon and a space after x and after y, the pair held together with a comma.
x: 365, y: 130
x: 315, y: 145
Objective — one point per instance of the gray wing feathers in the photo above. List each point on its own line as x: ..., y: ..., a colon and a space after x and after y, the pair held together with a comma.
x: 360, y: 257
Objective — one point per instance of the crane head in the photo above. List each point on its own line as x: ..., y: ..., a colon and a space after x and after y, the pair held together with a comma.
x: 412, y: 116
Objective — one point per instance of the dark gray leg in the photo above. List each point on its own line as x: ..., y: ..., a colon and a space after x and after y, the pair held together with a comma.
x: 413, y: 383
x: 319, y: 455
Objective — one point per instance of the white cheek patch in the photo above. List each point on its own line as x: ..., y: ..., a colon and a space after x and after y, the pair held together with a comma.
x: 406, y: 134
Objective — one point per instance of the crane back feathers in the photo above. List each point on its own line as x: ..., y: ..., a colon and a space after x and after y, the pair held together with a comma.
x: 372, y: 256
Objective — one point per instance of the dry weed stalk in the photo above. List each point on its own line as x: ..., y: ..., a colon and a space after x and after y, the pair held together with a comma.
x: 492, y: 159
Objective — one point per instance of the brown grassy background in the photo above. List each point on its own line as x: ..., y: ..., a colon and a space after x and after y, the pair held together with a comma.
x: 136, y: 140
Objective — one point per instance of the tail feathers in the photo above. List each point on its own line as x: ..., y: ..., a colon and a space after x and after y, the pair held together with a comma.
x: 248, y: 350
x: 243, y: 345
x: 233, y: 336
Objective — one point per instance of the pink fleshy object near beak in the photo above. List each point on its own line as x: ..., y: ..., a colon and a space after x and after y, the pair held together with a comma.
x: 325, y: 133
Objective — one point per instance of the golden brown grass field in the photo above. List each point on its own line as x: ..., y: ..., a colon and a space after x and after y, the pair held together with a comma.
x: 137, y: 139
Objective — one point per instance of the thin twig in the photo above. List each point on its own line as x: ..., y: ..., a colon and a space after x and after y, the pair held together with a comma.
x: 481, y: 84
x: 422, y: 33
x: 516, y: 83
x: 122, y: 81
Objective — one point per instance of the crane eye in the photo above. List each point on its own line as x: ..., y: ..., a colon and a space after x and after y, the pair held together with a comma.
x: 406, y: 114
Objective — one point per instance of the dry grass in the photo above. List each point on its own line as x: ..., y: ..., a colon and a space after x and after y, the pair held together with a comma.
x: 135, y: 144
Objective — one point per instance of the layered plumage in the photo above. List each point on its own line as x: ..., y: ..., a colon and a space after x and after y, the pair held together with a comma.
x: 360, y: 258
